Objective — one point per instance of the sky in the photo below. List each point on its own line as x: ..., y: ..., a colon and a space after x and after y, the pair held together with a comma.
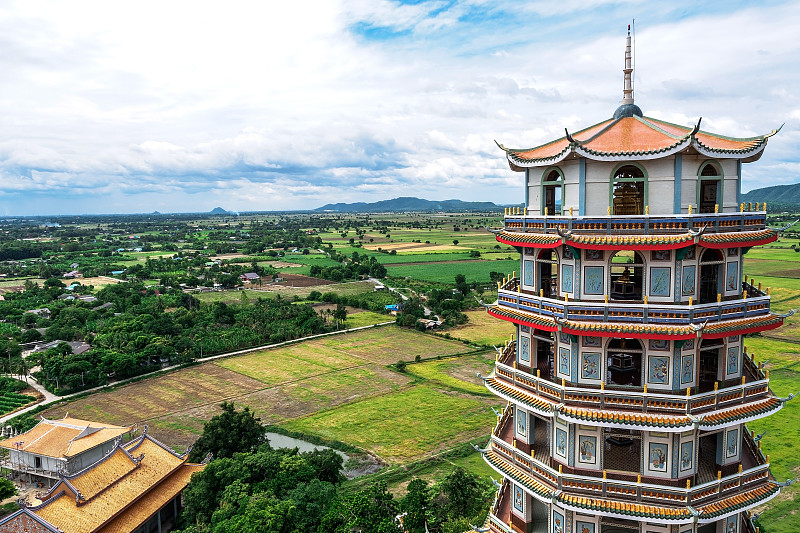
x: 182, y: 106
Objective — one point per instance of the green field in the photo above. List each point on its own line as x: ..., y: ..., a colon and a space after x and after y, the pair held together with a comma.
x: 782, y: 441
x: 403, y: 426
x: 446, y: 272
x: 482, y: 328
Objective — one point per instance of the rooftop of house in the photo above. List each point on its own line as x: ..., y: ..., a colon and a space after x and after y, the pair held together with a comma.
x: 119, y: 492
x: 63, y: 438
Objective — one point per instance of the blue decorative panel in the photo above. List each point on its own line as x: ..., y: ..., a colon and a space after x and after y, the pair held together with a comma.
x: 687, y: 456
x: 732, y: 276
x: 528, y: 272
x: 687, y: 369
x: 732, y: 443
x: 732, y: 524
x: 593, y: 280
x: 688, y: 280
x: 561, y: 443
x: 563, y: 361
x: 584, y: 527
x: 659, y: 281
x: 688, y: 345
x: 592, y: 342
x: 519, y: 499
x: 590, y: 365
x: 566, y: 278
x: 660, y: 255
x: 658, y: 457
x: 564, y: 338
x: 733, y: 360
x: 587, y: 449
x: 659, y: 345
x: 558, y: 522
x: 522, y: 422
x: 658, y: 370
x: 524, y: 350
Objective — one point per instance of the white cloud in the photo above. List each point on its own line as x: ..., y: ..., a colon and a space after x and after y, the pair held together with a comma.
x: 275, y: 105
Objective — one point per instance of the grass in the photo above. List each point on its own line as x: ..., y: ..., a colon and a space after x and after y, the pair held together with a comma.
x: 275, y: 365
x: 481, y: 328
x: 403, y: 426
x: 366, y: 318
x: 457, y: 373
x: 446, y: 272
x: 782, y: 441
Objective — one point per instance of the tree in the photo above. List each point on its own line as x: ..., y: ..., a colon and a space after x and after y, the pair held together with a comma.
x: 229, y: 432
x: 340, y: 315
x: 455, y: 242
x: 415, y: 505
x: 7, y: 488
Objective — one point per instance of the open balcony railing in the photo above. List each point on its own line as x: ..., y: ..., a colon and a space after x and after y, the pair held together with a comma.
x: 500, y: 512
x: 638, y: 224
x: 509, y: 296
x: 618, y: 485
x: 753, y: 385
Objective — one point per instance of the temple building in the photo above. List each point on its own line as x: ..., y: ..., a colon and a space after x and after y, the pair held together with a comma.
x: 628, y: 379
x: 54, y: 446
x: 135, y: 487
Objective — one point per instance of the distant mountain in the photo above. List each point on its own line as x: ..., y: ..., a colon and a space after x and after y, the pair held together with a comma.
x: 409, y: 204
x: 783, y: 194
x: 219, y: 211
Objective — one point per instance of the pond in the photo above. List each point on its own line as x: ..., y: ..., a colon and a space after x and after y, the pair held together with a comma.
x: 276, y: 440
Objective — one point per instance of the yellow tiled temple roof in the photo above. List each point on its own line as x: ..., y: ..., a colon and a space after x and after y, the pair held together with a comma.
x: 121, y: 488
x: 146, y: 507
x: 63, y: 438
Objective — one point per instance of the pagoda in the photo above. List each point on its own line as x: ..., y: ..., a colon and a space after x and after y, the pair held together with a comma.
x: 628, y: 380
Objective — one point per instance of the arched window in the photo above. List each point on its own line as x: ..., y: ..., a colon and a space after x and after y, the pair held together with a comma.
x: 552, y: 192
x: 711, y: 264
x: 629, y: 191
x: 627, y: 275
x: 547, y: 267
x: 709, y: 183
x: 624, y: 363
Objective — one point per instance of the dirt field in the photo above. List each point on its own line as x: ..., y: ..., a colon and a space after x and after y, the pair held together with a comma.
x: 280, y: 384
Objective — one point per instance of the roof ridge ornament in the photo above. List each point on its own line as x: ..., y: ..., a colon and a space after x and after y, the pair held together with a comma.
x: 503, y: 148
x: 696, y: 128
x: 570, y: 138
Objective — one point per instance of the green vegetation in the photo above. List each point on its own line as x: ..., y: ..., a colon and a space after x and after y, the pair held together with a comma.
x: 229, y: 432
x: 420, y: 420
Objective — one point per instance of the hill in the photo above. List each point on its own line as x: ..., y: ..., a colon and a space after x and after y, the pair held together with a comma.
x: 783, y: 194
x: 409, y: 204
x: 219, y: 211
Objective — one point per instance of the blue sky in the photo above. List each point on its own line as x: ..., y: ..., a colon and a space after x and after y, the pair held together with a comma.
x: 121, y: 107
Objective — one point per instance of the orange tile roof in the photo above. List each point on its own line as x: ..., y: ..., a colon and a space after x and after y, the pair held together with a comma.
x: 633, y: 135
x: 148, y: 505
x: 66, y: 437
x: 121, y: 484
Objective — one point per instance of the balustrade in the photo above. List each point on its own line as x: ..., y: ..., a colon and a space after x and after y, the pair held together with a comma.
x: 675, y: 314
x: 602, y: 397
x: 639, y: 224
x: 614, y: 485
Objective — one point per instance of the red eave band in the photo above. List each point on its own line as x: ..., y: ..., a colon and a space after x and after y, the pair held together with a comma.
x: 717, y: 245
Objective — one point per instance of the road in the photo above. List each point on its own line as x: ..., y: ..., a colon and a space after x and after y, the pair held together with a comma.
x: 51, y: 398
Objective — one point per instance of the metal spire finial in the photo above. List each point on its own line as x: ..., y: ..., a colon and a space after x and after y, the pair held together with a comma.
x: 627, y: 89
